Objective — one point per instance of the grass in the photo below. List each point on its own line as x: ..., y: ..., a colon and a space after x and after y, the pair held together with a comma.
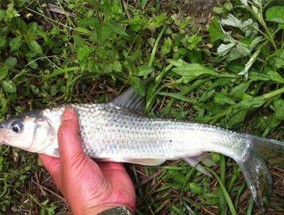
x: 223, y: 66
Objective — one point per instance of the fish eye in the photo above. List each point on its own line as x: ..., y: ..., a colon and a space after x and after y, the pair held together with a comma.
x: 17, y: 126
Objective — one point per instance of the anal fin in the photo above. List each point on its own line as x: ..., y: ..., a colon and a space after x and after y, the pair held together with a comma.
x: 146, y: 162
x: 194, y: 162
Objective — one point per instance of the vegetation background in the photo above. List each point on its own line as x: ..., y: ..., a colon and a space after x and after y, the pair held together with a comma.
x: 219, y: 62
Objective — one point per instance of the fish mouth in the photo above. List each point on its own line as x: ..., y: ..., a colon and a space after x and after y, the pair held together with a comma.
x: 2, y: 127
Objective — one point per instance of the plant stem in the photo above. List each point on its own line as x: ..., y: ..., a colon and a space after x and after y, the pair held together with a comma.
x: 154, y: 50
x: 259, y: 17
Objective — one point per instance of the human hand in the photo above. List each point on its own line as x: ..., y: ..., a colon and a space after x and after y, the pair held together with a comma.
x: 88, y: 187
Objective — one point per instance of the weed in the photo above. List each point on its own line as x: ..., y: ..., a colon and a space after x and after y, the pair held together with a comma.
x: 226, y: 70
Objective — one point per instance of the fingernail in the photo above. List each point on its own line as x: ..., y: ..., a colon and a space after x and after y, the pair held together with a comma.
x: 68, y: 114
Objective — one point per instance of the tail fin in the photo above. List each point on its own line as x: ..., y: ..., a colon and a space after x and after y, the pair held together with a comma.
x: 254, y: 167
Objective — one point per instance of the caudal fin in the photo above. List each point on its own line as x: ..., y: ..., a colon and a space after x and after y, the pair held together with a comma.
x: 254, y: 167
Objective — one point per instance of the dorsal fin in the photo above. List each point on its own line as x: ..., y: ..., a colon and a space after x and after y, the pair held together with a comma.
x: 130, y: 100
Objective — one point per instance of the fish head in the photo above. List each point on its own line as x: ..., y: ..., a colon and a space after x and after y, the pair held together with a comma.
x: 30, y: 131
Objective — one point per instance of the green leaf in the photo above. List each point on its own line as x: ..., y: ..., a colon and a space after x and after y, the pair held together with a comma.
x: 166, y: 48
x: 240, y: 89
x: 195, y: 188
x: 83, y: 30
x: 218, y: 10
x: 9, y: 86
x: 275, y: 14
x: 3, y: 72
x: 144, y: 70
x: 119, y: 30
x: 215, y: 31
x: 193, y: 41
x: 275, y: 76
x: 16, y: 43
x: 11, y: 62
x: 117, y: 67
x: 3, y: 104
x: 2, y: 15
x: 278, y: 107
x: 191, y: 71
x: 137, y: 85
x: 281, y: 26
x: 237, y: 118
x: 222, y: 99
x: 35, y: 47
x: 90, y: 21
x: 278, y: 59
x: 2, y: 41
x: 83, y: 53
x: 79, y: 41
x: 238, y: 51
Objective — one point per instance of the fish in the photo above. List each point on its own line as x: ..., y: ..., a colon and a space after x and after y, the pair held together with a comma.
x: 118, y: 131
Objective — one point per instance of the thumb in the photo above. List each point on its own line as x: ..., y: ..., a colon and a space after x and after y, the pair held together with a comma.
x: 70, y: 147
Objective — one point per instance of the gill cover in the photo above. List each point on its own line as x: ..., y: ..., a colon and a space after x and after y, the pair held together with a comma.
x: 30, y: 131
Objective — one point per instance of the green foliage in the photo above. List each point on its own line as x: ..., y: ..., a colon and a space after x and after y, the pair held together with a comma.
x: 228, y: 72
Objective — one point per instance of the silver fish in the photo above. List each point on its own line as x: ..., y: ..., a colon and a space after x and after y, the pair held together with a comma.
x: 116, y: 131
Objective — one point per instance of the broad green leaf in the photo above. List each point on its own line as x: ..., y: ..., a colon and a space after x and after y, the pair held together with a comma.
x: 166, y: 48
x: 22, y: 26
x: 106, y: 32
x: 16, y: 43
x: 83, y: 30
x: 237, y: 118
x: 11, y: 62
x: 144, y: 70
x: 218, y: 10
x: 117, y: 67
x: 239, y: 90
x: 281, y: 26
x: 156, y: 22
x: 232, y: 21
x: 249, y: 64
x: 206, y: 95
x: 32, y: 27
x: 244, y: 2
x: 32, y: 63
x: 137, y: 85
x: 35, y: 47
x: 3, y: 104
x: 9, y: 86
x: 275, y: 76
x: 90, y: 21
x: 256, y: 76
x: 79, y: 41
x: 3, y: 72
x: 193, y: 41
x: 278, y: 107
x: 215, y: 31
x: 238, y: 51
x: 192, y: 70
x: 83, y: 53
x: 224, y: 49
x: 251, y: 103
x: 195, y: 188
x: 119, y: 30
x: 278, y: 59
x: 228, y: 6
x: 2, y: 15
x: 275, y: 14
x: 222, y: 99
x: 2, y: 41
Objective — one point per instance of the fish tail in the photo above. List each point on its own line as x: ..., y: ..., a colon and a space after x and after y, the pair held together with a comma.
x: 253, y: 165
